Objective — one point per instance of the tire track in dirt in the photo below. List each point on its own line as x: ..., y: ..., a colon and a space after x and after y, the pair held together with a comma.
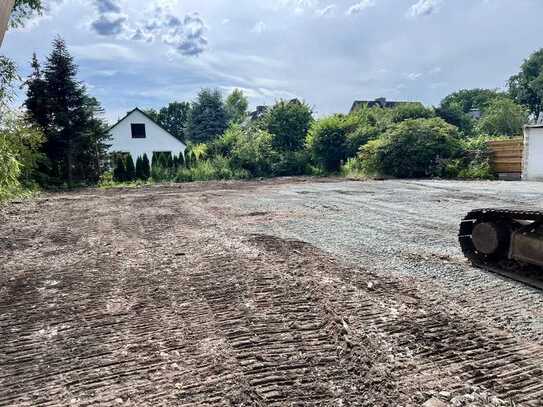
x: 441, y: 345
x: 159, y: 302
x: 289, y: 344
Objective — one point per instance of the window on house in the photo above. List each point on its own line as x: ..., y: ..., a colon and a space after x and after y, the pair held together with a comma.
x: 138, y: 130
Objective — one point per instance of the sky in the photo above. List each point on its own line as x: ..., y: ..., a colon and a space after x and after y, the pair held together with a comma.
x: 136, y: 53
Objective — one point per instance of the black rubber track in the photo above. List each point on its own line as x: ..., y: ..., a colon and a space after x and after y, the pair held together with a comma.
x: 530, y: 275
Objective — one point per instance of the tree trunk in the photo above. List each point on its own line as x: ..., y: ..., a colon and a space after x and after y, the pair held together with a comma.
x: 5, y: 11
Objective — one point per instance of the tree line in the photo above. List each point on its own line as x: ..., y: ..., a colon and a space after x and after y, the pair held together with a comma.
x: 60, y: 139
x: 410, y: 140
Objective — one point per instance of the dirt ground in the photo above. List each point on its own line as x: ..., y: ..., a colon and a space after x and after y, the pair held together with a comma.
x: 282, y: 293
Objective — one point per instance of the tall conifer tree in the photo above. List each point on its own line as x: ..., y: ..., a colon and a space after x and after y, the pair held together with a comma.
x: 146, y: 167
x: 130, y: 168
x: 75, y: 135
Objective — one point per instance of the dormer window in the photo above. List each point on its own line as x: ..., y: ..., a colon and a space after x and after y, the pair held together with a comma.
x: 138, y: 130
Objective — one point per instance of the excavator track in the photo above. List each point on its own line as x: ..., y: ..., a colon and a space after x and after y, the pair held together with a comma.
x: 526, y: 274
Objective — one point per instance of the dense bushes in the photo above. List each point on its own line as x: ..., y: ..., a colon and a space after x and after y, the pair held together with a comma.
x: 288, y: 123
x: 434, y: 149
x: 474, y: 162
x: 502, y: 117
x: 225, y: 142
x: 20, y: 154
x: 408, y: 141
x: 216, y: 168
x: 124, y: 169
x: 411, y: 111
x: 334, y: 139
x: 10, y: 170
x: 143, y: 168
x: 253, y: 152
x: 412, y: 148
x: 327, y: 142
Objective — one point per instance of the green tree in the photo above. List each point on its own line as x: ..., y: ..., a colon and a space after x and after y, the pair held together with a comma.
x: 139, y: 168
x: 19, y: 142
x: 226, y: 142
x: 146, y: 167
x: 207, y: 119
x: 236, y: 106
x: 92, y: 150
x: 469, y: 99
x: 289, y: 123
x: 119, y: 171
x: 254, y: 152
x: 328, y: 143
x: 8, y: 77
x: 455, y: 108
x: 503, y: 117
x: 527, y: 86
x: 23, y: 10
x: 179, y: 161
x: 363, y: 125
x: 197, y: 152
x: 130, y: 169
x: 23, y: 141
x: 406, y: 111
x: 411, y: 149
x: 173, y: 118
x: 76, y: 135
x: 36, y: 94
x: 10, y: 169
x: 453, y: 113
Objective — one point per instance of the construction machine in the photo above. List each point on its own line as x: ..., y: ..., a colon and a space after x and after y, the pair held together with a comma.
x: 505, y: 241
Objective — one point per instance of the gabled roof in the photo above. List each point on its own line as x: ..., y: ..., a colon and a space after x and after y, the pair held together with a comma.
x: 380, y: 102
x: 137, y: 109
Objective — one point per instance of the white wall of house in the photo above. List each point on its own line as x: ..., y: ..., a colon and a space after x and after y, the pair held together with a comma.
x: 533, y: 153
x: 156, y: 138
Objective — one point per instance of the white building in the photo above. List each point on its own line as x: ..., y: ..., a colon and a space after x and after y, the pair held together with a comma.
x: 533, y: 153
x: 138, y: 134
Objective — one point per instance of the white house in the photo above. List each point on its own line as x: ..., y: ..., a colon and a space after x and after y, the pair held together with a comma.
x: 138, y: 134
x: 533, y: 153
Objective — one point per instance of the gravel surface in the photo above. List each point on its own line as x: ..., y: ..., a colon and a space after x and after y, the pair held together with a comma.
x: 409, y: 229
x: 284, y: 292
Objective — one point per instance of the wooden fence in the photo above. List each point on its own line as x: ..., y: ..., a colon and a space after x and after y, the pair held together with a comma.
x: 507, y: 155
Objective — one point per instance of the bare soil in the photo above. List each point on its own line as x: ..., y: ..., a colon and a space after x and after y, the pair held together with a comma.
x: 170, y: 296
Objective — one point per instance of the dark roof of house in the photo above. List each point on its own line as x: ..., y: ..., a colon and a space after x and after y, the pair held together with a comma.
x: 380, y: 102
x: 259, y: 112
x: 148, y: 117
x: 263, y: 109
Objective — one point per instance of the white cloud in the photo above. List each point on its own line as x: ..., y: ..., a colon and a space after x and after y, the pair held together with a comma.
x: 297, y: 3
x: 413, y: 76
x: 290, y: 61
x: 104, y: 52
x: 360, y: 6
x: 326, y: 11
x: 51, y: 9
x: 259, y: 27
x: 424, y: 8
x: 184, y: 35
